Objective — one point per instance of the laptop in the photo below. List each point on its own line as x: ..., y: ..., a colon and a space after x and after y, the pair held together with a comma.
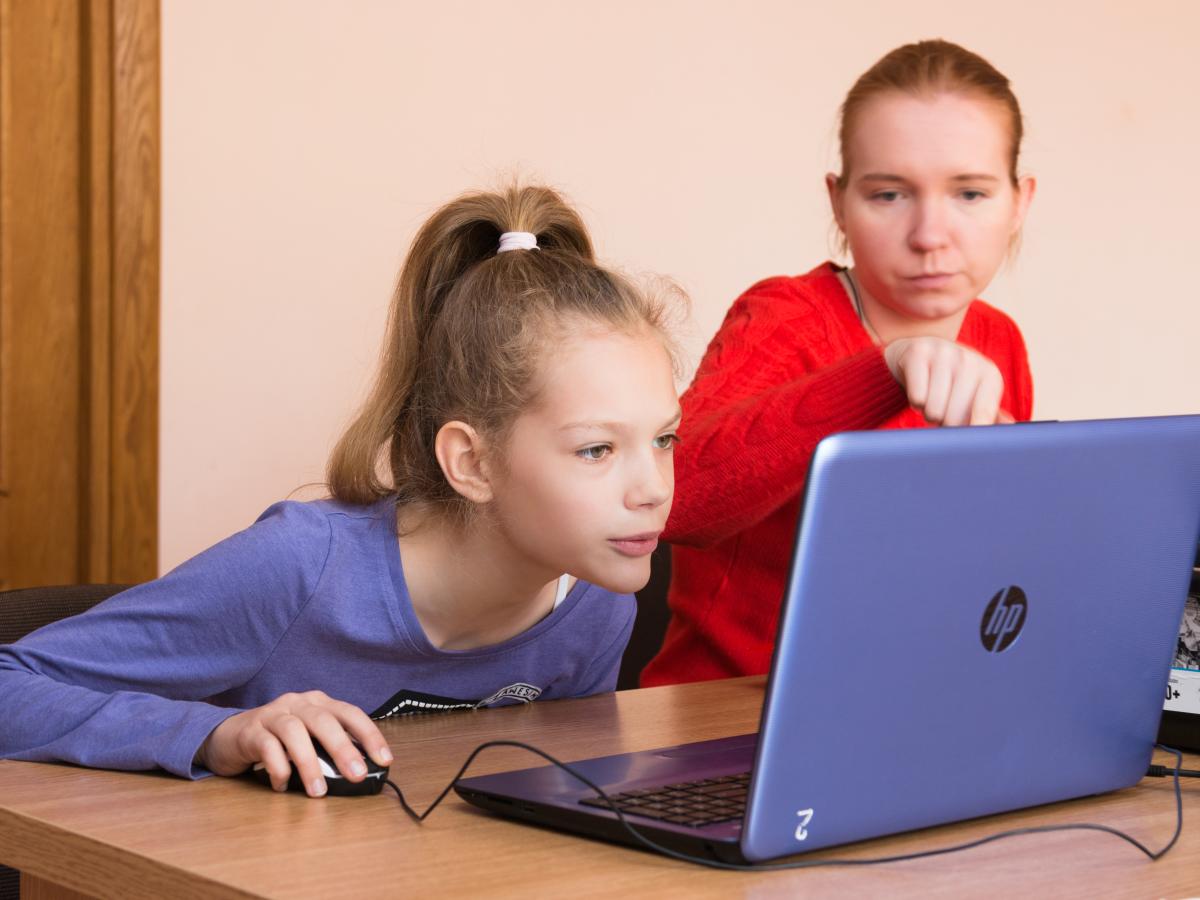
x: 976, y: 620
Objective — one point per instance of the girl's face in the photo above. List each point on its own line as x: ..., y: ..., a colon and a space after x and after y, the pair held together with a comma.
x: 589, y: 471
x: 930, y: 209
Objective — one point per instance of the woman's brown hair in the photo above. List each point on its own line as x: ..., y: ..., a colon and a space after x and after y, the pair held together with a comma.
x: 465, y: 333
x: 925, y: 69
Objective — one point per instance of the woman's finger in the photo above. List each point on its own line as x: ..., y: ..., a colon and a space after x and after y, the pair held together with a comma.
x: 941, y: 379
x: 912, y: 370
x: 964, y: 393
x: 986, y: 409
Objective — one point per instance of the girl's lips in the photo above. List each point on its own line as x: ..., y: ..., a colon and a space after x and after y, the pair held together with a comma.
x: 636, y: 545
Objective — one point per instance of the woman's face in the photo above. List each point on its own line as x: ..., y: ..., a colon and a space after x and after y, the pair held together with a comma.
x: 929, y: 210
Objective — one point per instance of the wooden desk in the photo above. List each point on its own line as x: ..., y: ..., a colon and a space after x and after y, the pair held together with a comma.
x: 147, y: 835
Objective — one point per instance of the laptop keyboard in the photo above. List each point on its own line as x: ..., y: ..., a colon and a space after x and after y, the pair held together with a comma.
x: 704, y: 802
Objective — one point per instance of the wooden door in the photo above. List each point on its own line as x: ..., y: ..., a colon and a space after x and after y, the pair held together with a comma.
x: 79, y: 272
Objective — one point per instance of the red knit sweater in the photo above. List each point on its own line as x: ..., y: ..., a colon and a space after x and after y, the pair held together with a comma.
x: 790, y: 365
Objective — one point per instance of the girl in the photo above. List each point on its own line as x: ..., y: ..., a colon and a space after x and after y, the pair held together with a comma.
x: 522, y: 426
x: 928, y: 202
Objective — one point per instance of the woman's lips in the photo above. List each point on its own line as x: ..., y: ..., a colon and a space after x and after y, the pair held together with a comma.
x: 636, y: 545
x: 931, y: 282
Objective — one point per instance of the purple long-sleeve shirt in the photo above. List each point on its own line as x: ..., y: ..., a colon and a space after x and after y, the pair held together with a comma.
x: 312, y: 596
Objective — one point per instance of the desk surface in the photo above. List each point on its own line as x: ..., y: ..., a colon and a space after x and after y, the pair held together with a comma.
x: 149, y: 835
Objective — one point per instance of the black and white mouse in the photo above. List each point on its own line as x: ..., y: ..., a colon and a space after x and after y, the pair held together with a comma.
x: 336, y: 784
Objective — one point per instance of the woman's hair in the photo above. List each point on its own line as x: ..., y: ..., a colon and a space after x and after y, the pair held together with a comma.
x: 925, y: 69
x: 466, y: 332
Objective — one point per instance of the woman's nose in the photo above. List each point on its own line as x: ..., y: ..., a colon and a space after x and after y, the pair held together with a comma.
x: 929, y: 228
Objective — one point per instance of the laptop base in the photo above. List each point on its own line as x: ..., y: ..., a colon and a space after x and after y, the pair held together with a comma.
x: 588, y: 823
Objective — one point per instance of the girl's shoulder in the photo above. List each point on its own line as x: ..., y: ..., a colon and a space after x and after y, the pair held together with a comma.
x: 594, y: 618
x: 308, y: 516
x: 600, y: 606
x: 302, y: 534
x: 596, y: 630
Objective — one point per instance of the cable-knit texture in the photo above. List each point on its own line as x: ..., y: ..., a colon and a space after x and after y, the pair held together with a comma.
x: 790, y: 365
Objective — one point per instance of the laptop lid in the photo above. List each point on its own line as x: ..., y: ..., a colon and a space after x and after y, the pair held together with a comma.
x: 977, y: 620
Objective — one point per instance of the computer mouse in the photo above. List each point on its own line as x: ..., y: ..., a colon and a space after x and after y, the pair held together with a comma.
x: 336, y: 784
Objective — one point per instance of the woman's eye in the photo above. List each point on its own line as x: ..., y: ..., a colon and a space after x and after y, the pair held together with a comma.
x: 972, y: 196
x: 666, y: 441
x: 595, y: 453
x: 886, y: 196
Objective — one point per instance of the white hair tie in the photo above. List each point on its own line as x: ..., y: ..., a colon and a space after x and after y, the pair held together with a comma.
x: 517, y: 240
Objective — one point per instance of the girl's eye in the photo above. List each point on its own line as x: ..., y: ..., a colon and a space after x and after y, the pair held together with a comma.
x: 972, y: 196
x: 666, y: 441
x: 594, y: 453
x: 886, y: 196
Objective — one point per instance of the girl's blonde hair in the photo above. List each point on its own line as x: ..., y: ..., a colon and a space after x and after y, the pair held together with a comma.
x: 466, y: 330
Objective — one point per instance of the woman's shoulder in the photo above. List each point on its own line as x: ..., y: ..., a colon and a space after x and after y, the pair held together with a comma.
x: 786, y: 306
x: 985, y: 311
x: 992, y: 328
x: 778, y: 315
x: 796, y: 294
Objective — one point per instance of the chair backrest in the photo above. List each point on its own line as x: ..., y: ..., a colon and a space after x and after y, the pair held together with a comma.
x: 28, y: 609
x: 650, y: 626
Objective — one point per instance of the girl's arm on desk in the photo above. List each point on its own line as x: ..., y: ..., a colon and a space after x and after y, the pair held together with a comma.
x: 122, y: 685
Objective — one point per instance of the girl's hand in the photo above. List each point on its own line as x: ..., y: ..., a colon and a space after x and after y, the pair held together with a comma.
x: 949, y: 383
x: 284, y: 729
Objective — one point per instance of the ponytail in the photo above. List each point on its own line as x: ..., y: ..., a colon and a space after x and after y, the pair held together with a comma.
x: 465, y: 329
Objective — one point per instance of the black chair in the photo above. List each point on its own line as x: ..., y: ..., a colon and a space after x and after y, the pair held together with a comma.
x: 26, y: 610
x: 650, y: 627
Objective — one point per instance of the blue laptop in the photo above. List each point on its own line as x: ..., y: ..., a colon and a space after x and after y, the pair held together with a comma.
x: 976, y: 620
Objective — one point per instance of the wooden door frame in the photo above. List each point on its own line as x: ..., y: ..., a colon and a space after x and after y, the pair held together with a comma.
x: 123, y: 286
x: 116, y: 76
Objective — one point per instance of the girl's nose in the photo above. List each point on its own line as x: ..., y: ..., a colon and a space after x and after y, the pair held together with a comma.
x: 652, y: 484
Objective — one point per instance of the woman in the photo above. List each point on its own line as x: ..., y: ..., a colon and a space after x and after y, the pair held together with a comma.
x: 929, y: 203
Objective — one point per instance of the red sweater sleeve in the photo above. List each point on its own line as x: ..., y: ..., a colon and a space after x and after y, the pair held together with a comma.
x: 1022, y: 386
x: 761, y: 401
x: 997, y: 336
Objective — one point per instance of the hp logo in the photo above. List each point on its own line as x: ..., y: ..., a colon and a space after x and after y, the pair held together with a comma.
x: 1003, y: 619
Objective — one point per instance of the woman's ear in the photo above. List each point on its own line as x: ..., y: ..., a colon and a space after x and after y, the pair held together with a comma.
x: 835, y: 199
x: 1026, y: 188
x: 460, y: 452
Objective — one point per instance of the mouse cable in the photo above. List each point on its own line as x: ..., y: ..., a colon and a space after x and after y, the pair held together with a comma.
x: 807, y: 863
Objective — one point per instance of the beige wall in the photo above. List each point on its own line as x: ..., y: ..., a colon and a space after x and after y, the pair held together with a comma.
x: 304, y: 141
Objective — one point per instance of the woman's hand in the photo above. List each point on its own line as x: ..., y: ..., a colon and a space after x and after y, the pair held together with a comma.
x: 949, y: 383
x: 281, y: 729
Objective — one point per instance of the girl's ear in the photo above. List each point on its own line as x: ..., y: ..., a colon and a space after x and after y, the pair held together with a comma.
x: 460, y: 453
